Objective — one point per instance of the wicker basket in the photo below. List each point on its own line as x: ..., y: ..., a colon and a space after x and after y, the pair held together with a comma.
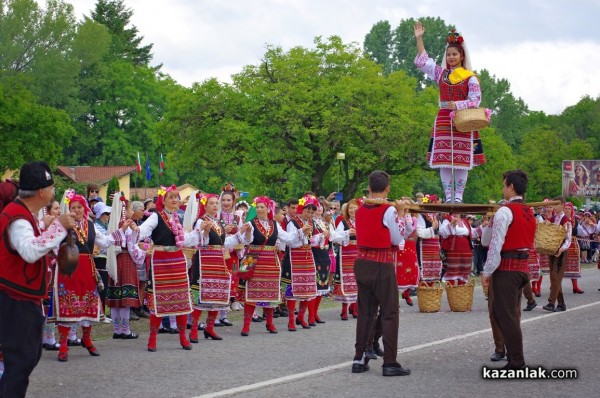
x: 430, y: 297
x: 467, y: 120
x: 548, y: 238
x: 189, y: 252
x: 460, y: 297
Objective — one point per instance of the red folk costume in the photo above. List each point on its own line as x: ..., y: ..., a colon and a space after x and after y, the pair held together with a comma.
x: 456, y: 244
x: 233, y: 221
x: 407, y: 266
x: 168, y: 282
x: 345, y: 289
x: 76, y: 297
x: 429, y: 249
x: 211, y: 278
x: 263, y: 288
x: 449, y: 148
x: 298, y: 272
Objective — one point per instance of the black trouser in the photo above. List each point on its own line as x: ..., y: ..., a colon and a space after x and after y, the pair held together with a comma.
x: 506, y: 288
x: 100, y: 263
x: 21, y: 326
x: 377, y: 287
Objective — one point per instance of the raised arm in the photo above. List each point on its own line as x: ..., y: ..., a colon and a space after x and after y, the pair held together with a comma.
x: 419, y: 31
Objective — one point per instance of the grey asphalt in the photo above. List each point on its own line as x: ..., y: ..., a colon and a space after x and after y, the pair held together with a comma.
x: 445, y: 351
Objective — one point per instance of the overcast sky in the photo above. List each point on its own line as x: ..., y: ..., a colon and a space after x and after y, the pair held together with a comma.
x: 548, y: 50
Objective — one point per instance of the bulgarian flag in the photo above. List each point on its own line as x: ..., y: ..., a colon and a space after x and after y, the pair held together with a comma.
x: 161, y: 165
x: 138, y: 164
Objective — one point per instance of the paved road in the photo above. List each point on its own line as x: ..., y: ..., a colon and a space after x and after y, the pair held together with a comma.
x: 445, y: 351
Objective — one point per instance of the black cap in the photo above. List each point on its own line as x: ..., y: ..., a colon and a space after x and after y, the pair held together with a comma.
x: 34, y: 176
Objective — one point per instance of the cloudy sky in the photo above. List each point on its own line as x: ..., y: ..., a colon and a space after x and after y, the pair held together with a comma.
x: 548, y: 50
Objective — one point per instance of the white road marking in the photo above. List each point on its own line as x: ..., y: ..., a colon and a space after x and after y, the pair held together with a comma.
x: 298, y: 376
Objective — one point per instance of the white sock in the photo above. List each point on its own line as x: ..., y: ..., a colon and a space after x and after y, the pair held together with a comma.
x: 460, y: 182
x: 73, y: 331
x: 49, y: 334
x: 125, y: 321
x: 446, y: 177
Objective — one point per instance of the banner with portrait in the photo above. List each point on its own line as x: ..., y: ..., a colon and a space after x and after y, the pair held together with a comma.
x: 581, y: 178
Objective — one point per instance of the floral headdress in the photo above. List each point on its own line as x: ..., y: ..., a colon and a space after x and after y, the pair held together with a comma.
x: 162, y: 193
x: 203, y: 200
x: 454, y: 37
x: 267, y: 202
x: 305, y: 201
x: 430, y: 198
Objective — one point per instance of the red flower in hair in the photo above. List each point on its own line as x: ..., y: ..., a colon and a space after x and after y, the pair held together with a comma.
x: 460, y: 39
x: 123, y: 199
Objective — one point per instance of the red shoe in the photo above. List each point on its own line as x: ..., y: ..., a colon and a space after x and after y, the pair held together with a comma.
x: 577, y: 291
x: 272, y: 329
x: 63, y: 356
x: 291, y: 326
x: 344, y: 317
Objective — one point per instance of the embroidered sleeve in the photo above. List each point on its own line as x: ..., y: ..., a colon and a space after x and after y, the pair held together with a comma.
x: 137, y: 254
x: 428, y: 66
x: 395, y: 224
x: 502, y: 220
x: 568, y: 238
x: 473, y: 97
x: 148, y: 226
x: 283, y: 236
x: 445, y: 229
x: 30, y: 247
x: 104, y: 240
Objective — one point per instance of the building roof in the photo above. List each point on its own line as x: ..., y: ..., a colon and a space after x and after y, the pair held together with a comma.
x: 144, y: 193
x: 94, y: 174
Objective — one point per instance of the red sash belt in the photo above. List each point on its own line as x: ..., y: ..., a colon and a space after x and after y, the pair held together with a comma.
x: 514, y: 264
x: 380, y: 256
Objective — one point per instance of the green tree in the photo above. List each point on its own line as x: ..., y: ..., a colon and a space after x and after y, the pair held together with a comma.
x: 405, y: 48
x: 378, y: 45
x: 30, y: 131
x: 280, y: 124
x: 126, y: 43
x: 508, y: 111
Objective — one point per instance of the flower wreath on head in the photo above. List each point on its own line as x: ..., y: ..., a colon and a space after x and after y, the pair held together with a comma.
x: 69, y: 194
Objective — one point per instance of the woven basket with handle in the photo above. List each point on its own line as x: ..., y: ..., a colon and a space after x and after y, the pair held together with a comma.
x: 430, y: 297
x: 467, y: 120
x: 460, y: 297
x: 548, y: 238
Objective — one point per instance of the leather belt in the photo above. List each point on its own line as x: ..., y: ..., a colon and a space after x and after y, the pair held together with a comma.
x: 518, y: 255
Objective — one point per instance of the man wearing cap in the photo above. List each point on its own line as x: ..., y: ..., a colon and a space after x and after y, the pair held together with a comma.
x: 23, y: 272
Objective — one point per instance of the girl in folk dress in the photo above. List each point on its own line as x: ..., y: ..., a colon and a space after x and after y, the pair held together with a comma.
x: 211, y: 278
x: 168, y: 290
x: 344, y: 281
x: 459, y: 89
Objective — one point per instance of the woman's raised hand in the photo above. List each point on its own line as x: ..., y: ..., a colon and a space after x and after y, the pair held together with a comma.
x: 419, y: 29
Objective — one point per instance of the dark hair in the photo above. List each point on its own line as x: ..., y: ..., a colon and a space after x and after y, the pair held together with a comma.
x: 378, y: 181
x: 518, y: 179
x: 310, y: 206
x: 292, y: 202
x: 230, y: 193
x: 93, y: 186
x: 561, y: 199
x: 49, y: 207
x: 460, y: 49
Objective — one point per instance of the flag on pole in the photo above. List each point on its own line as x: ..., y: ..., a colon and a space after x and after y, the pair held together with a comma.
x: 251, y: 213
x: 138, y: 164
x: 161, y: 165
x: 148, y: 172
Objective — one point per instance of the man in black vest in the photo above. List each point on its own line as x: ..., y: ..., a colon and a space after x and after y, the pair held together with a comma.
x: 23, y: 273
